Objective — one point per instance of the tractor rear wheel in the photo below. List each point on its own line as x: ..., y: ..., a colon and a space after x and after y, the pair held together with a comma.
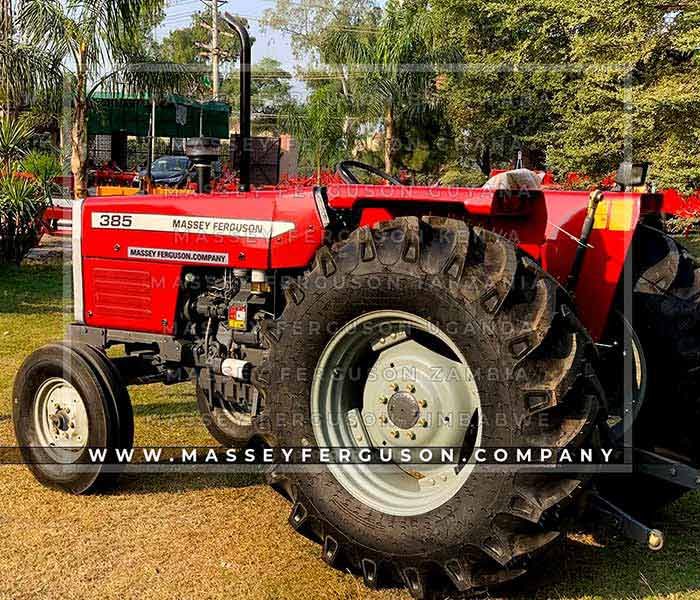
x: 428, y: 333
x: 666, y: 317
x: 67, y: 399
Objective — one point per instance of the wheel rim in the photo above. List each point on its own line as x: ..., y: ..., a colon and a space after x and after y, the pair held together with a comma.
x: 390, y: 379
x: 60, y: 419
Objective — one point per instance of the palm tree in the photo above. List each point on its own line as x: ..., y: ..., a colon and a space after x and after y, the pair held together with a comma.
x: 26, y: 71
x: 318, y: 126
x: 15, y: 134
x: 394, y: 77
x: 87, y: 35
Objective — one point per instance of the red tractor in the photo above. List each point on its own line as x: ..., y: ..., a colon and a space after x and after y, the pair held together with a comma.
x: 375, y: 317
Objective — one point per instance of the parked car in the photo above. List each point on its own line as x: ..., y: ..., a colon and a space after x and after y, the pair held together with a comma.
x: 170, y: 171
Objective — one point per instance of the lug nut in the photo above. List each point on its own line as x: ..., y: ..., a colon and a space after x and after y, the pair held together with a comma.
x: 411, y: 388
x: 422, y: 403
x: 422, y: 422
x: 383, y: 399
x: 410, y: 435
x: 394, y: 434
x: 383, y: 419
x: 395, y: 387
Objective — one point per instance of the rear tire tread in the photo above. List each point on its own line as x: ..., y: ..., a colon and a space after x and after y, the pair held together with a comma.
x: 489, y: 272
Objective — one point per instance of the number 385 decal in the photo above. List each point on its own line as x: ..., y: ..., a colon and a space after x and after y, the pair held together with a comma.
x: 112, y: 220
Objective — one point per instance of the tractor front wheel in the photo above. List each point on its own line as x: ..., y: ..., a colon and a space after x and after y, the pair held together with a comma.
x: 67, y: 399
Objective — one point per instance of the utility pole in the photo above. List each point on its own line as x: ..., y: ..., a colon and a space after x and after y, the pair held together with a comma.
x: 213, y: 51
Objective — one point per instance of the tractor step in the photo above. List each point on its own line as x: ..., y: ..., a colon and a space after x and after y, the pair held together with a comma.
x: 666, y: 469
x: 624, y: 523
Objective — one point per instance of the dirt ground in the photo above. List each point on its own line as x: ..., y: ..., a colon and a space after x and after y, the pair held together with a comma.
x: 180, y: 536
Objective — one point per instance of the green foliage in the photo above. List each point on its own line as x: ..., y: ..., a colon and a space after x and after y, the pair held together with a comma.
x: 318, y: 127
x: 642, y: 98
x: 184, y: 45
x: 15, y: 136
x: 85, y: 37
x: 44, y: 167
x: 271, y: 92
x: 389, y: 76
x: 28, y: 74
x: 22, y: 202
x: 308, y: 22
x: 576, y: 86
x: 457, y: 176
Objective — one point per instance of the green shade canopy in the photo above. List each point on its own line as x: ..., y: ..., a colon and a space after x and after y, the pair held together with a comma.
x: 176, y: 116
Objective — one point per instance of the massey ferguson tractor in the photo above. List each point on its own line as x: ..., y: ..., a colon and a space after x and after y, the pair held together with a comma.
x: 358, y: 316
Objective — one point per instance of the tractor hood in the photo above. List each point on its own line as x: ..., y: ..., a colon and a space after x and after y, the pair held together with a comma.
x: 130, y: 254
x: 259, y: 230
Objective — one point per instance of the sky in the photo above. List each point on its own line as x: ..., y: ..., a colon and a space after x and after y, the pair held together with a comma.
x: 268, y: 42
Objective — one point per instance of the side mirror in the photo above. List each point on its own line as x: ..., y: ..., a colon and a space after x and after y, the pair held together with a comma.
x: 631, y: 174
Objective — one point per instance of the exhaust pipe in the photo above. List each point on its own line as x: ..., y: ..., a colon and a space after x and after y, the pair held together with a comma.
x: 245, y: 115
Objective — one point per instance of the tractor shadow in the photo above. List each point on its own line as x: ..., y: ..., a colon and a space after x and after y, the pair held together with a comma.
x: 179, y: 482
x: 582, y: 567
x: 166, y: 409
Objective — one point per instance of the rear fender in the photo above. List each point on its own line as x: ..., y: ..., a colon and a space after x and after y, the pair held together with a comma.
x: 547, y: 227
x: 519, y: 215
x: 610, y: 242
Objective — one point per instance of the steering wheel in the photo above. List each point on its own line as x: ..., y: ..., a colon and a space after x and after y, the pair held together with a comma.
x: 344, y: 169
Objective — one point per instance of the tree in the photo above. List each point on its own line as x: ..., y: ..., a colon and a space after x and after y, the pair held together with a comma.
x: 642, y: 99
x: 318, y: 127
x: 308, y: 21
x: 85, y: 37
x: 499, y: 100
x: 578, y: 86
x: 271, y: 92
x: 392, y: 76
x: 186, y: 46
x: 22, y: 199
x: 26, y: 71
x: 15, y: 135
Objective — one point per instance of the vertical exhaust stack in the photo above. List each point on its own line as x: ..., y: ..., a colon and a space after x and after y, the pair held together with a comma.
x: 203, y: 152
x: 245, y: 115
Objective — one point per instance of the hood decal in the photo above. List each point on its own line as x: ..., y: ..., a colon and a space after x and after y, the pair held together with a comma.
x: 218, y: 226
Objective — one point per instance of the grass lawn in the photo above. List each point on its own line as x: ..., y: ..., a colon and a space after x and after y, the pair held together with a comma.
x: 226, y: 535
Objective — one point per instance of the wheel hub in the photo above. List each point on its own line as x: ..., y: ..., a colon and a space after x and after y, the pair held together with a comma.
x: 60, y: 416
x: 60, y: 421
x: 403, y: 410
x: 416, y: 392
